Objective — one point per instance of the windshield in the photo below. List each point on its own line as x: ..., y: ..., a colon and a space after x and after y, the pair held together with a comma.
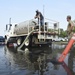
x: 8, y: 27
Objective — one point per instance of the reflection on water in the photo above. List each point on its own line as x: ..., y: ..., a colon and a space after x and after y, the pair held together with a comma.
x: 36, y: 61
x: 32, y: 60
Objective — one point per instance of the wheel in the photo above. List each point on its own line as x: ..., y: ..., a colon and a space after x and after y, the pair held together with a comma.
x: 19, y: 41
x: 27, y: 42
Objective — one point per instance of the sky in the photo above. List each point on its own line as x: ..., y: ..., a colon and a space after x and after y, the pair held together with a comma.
x: 22, y: 10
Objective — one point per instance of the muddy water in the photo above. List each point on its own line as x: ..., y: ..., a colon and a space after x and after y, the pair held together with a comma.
x: 36, y: 61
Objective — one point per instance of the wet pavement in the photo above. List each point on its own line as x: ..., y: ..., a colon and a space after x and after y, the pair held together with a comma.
x: 36, y: 61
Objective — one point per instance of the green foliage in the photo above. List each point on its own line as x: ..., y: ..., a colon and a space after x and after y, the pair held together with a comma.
x: 74, y: 29
x: 49, y: 30
x: 63, y: 34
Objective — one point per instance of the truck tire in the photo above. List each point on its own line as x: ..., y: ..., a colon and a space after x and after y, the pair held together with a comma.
x: 27, y: 42
x: 19, y: 41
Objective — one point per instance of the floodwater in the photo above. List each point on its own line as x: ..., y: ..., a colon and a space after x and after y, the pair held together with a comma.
x: 36, y: 61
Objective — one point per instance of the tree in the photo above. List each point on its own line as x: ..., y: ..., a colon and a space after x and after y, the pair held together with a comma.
x: 74, y: 29
x: 63, y: 34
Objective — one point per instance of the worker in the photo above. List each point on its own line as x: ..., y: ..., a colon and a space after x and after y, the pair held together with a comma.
x: 40, y: 18
x: 70, y: 27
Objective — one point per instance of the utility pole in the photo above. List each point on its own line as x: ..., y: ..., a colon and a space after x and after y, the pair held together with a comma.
x: 44, y: 21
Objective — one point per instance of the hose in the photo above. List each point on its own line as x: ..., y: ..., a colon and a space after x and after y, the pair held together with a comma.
x: 26, y: 39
